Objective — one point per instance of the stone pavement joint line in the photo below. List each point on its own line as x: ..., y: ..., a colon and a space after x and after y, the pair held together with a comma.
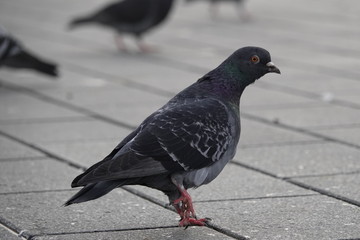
x: 299, y: 130
x: 300, y: 184
x: 64, y: 104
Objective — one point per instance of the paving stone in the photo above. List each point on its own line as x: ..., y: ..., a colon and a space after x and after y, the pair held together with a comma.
x: 35, y: 175
x: 258, y: 98
x: 13, y: 150
x: 346, y: 185
x: 311, y: 117
x: 15, y: 106
x: 85, y: 153
x: 257, y: 134
x: 6, y: 234
x: 309, y: 217
x: 145, y: 234
x: 42, y: 213
x: 87, y: 130
x: 347, y: 134
x: 297, y: 160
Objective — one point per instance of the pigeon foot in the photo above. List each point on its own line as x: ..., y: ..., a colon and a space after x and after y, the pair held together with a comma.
x: 185, y: 209
x: 186, y: 222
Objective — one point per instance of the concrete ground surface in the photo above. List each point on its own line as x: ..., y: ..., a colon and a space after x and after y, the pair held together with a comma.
x: 296, y: 174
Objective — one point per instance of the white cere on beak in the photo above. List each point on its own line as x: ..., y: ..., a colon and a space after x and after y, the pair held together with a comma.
x: 270, y: 64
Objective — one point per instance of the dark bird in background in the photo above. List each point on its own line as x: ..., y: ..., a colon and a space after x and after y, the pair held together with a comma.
x: 134, y: 17
x: 184, y: 144
x: 240, y: 4
x: 14, y: 55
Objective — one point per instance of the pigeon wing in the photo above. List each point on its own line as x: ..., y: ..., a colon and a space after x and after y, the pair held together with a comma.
x: 186, y: 137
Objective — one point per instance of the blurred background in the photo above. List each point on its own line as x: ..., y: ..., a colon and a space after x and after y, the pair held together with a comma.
x: 303, y: 124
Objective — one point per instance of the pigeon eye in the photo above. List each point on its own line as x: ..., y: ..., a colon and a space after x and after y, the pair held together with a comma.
x: 255, y: 59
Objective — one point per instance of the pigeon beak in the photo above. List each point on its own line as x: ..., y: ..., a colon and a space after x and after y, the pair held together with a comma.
x: 272, y: 68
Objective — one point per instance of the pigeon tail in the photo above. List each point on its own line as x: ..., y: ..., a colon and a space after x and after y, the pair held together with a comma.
x: 94, y: 190
x: 46, y: 68
x: 26, y: 60
x: 80, y: 21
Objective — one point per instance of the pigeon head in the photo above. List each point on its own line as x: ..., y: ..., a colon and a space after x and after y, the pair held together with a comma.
x: 249, y: 64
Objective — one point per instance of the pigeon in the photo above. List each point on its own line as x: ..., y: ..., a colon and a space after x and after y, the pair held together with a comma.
x: 243, y: 13
x: 135, y: 17
x: 184, y: 144
x: 14, y: 55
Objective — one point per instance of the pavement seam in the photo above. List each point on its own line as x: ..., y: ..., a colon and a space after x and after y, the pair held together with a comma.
x: 21, y: 233
x: 34, y: 236
x: 40, y: 149
x: 13, y: 159
x: 67, y: 105
x: 43, y: 120
x: 306, y: 94
x: 325, y: 174
x: 298, y: 130
x: 257, y: 198
x: 300, y: 184
x: 38, y: 191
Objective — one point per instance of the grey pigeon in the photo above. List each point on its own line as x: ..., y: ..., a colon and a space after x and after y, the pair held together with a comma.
x: 135, y: 17
x: 184, y: 144
x: 14, y: 55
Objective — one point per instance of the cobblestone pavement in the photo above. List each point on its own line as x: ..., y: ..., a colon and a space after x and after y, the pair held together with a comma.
x: 296, y: 174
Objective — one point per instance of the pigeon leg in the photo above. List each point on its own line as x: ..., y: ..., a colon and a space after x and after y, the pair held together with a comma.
x: 119, y: 42
x: 185, y: 209
x: 244, y: 14
x: 144, y: 48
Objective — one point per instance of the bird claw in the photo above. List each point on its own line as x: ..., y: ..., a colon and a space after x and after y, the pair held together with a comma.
x: 186, y: 222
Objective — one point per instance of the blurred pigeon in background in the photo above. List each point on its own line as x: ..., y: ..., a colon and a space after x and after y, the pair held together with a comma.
x: 13, y: 55
x: 240, y: 4
x: 184, y: 144
x: 135, y: 17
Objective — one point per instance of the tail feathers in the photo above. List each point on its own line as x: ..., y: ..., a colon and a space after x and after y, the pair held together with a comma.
x: 47, y: 68
x: 27, y: 60
x: 79, y: 21
x: 94, y: 190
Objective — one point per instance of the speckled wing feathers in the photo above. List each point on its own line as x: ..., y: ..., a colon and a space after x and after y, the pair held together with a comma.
x: 192, y: 135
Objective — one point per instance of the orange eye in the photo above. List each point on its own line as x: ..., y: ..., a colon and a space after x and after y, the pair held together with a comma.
x: 255, y: 59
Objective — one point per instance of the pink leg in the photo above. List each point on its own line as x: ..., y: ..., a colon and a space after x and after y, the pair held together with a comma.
x: 120, y: 43
x: 144, y: 48
x: 185, y: 209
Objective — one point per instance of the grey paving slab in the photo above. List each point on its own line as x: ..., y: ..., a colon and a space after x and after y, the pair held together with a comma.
x: 349, y: 134
x: 235, y: 182
x: 15, y: 106
x: 35, y: 175
x: 255, y: 97
x: 146, y: 234
x: 11, y: 149
x: 257, y: 134
x: 42, y: 213
x: 326, y: 115
x: 309, y: 217
x: 304, y: 81
x: 297, y: 160
x: 84, y: 153
x: 87, y: 130
x: 346, y: 185
x: 6, y: 234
